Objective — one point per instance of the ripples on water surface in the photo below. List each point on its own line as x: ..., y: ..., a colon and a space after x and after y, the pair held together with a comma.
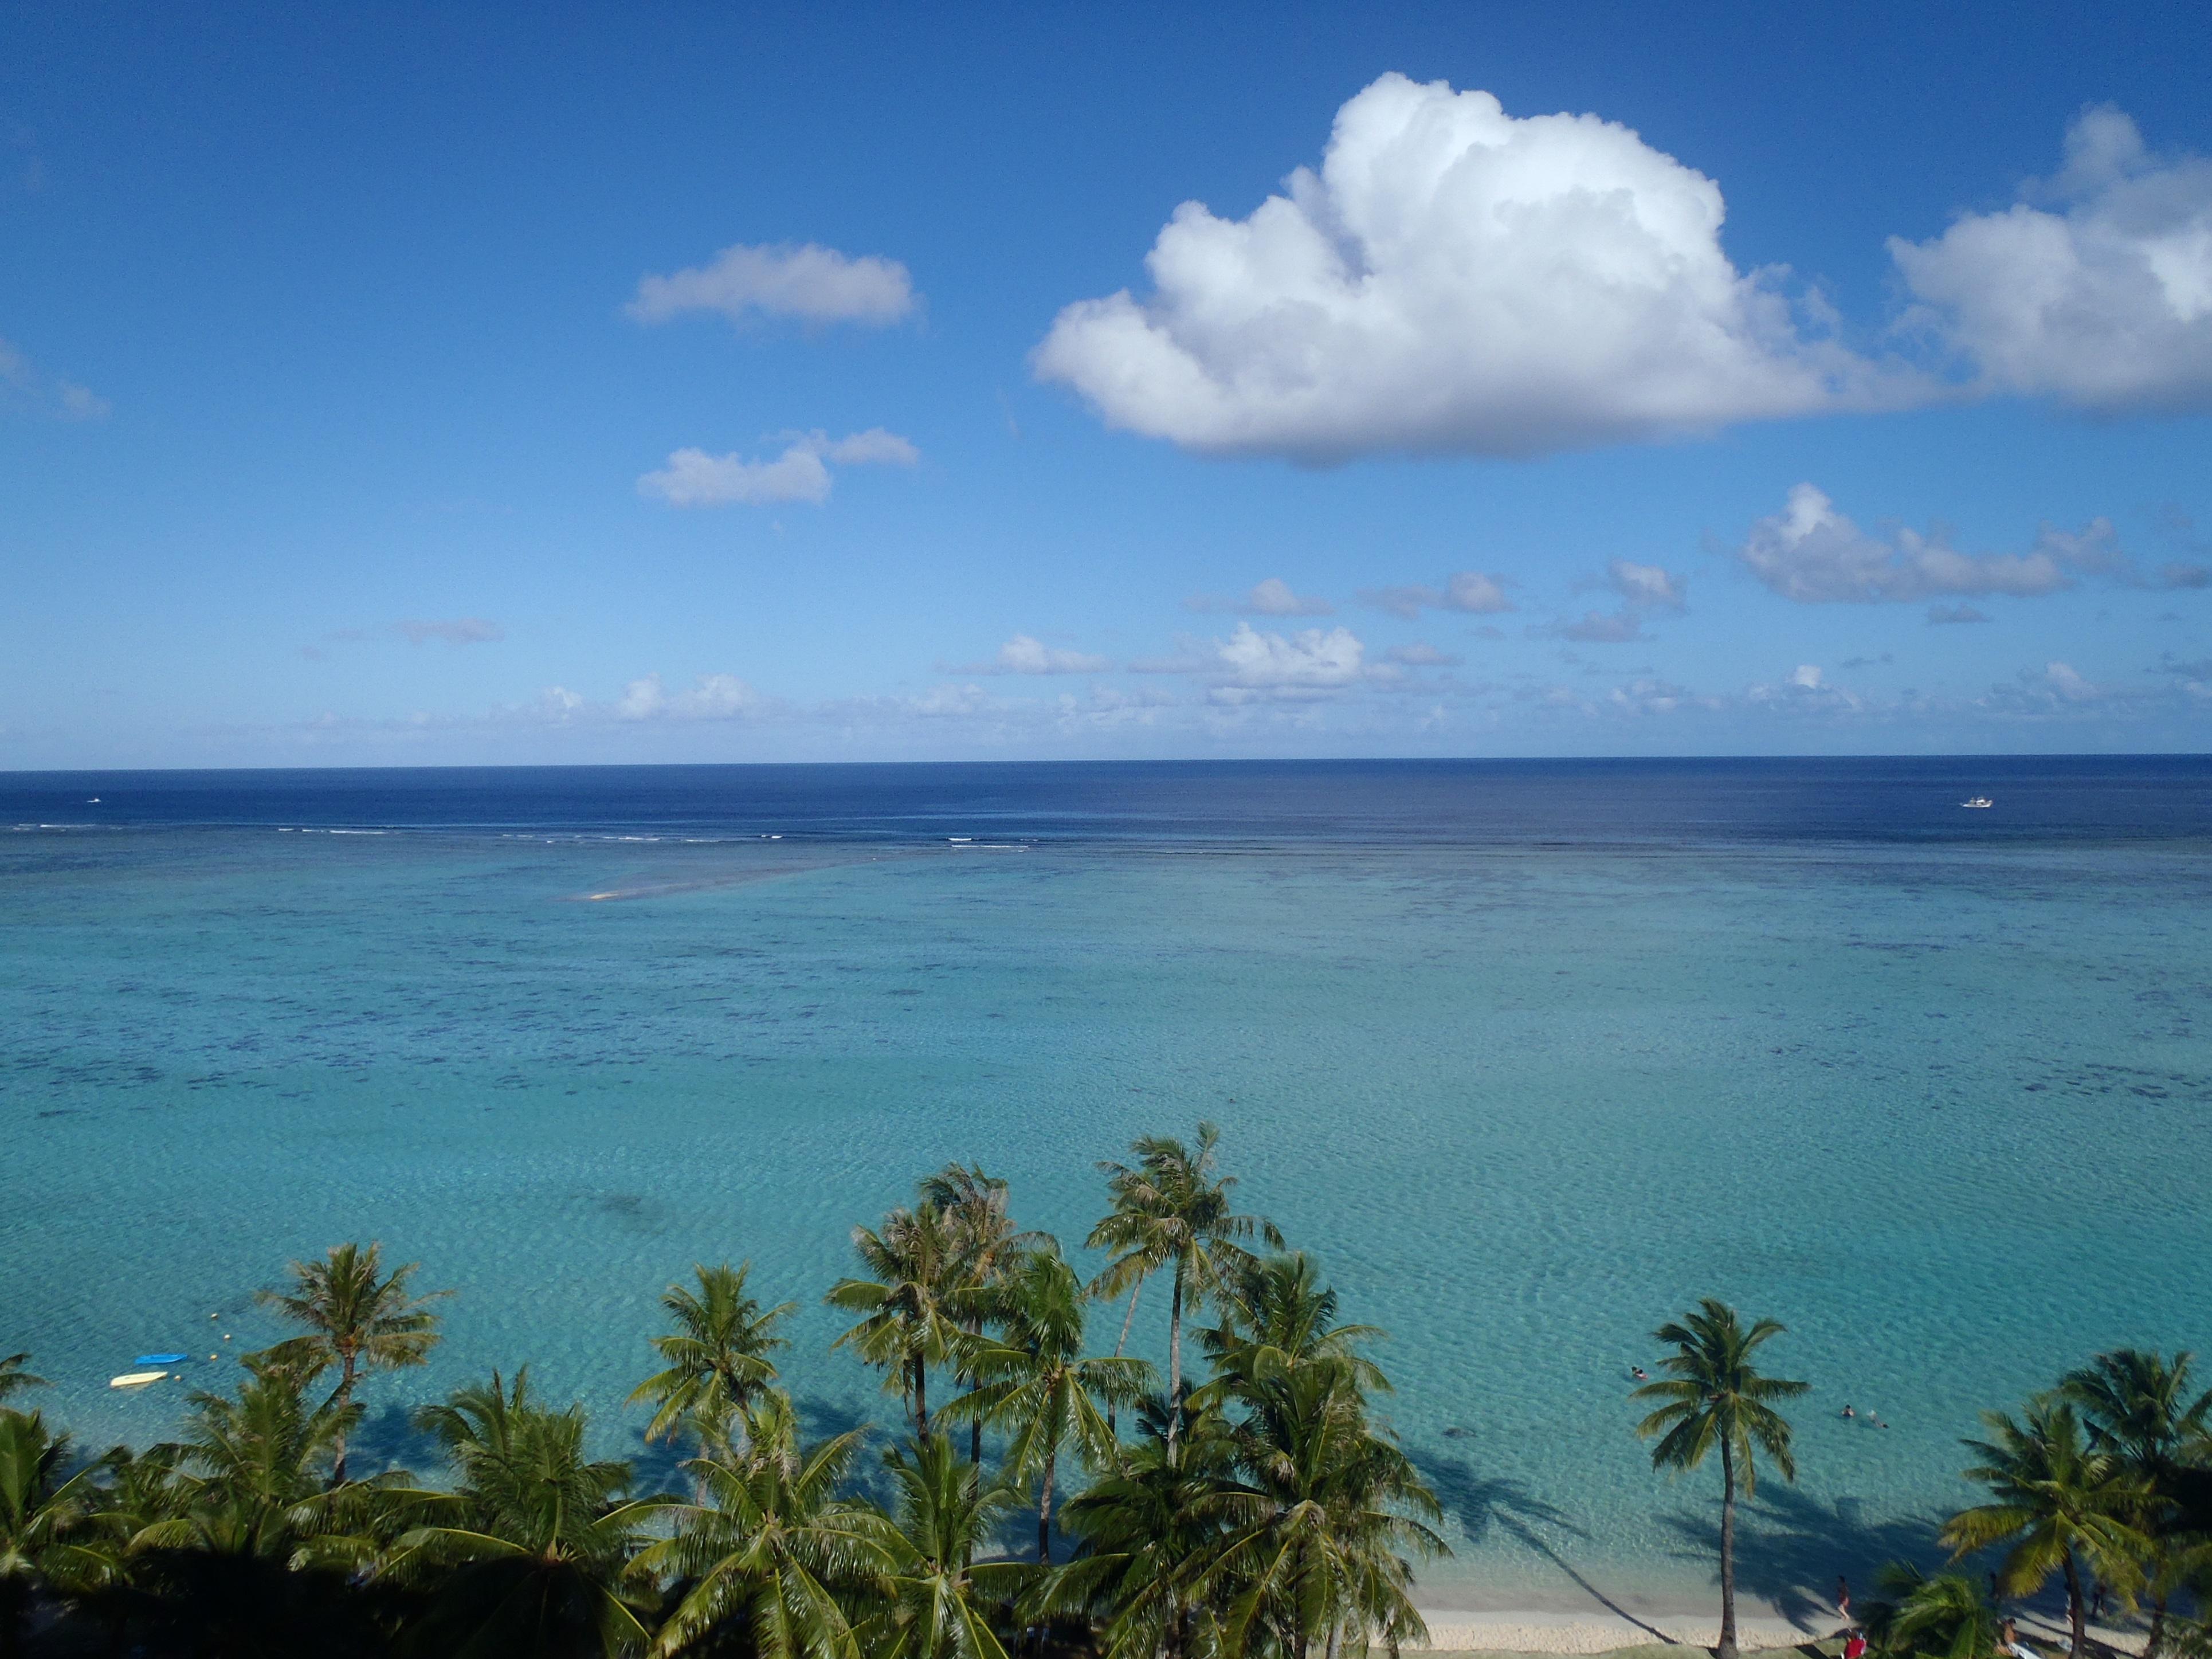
x: 1530, y: 1055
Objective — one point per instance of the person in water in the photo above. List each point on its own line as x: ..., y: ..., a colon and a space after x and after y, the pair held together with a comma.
x: 1847, y: 1412
x: 1638, y: 1373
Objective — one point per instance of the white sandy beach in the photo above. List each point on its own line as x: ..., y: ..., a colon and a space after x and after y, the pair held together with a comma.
x: 1596, y: 1630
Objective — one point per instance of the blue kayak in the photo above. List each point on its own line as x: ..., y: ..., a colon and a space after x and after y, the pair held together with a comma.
x: 157, y: 1359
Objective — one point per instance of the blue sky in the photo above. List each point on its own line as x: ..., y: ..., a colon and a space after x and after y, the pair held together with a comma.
x: 715, y: 383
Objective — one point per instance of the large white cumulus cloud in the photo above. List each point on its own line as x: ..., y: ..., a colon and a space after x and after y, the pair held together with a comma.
x: 2103, y: 297
x: 1452, y: 280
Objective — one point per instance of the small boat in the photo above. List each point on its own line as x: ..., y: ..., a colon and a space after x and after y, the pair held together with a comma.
x: 157, y: 1359
x: 1978, y: 802
x: 134, y: 1379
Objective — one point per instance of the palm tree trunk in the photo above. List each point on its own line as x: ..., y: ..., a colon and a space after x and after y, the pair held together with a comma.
x: 2156, y: 1639
x: 975, y: 1427
x: 345, y: 1399
x: 921, y: 1399
x: 1113, y: 1426
x: 1044, y: 1514
x: 2077, y: 1619
x: 1175, y: 1367
x: 1727, y: 1649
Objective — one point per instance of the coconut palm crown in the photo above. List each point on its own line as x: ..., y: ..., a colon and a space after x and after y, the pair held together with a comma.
x: 1713, y: 1396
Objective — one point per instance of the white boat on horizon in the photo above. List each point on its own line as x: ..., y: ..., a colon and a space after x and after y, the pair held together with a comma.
x: 1978, y: 802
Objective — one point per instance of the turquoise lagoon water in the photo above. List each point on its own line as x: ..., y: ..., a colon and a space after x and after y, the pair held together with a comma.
x: 1529, y: 1057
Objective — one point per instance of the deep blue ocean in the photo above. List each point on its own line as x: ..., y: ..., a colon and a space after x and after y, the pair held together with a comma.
x: 1529, y: 1055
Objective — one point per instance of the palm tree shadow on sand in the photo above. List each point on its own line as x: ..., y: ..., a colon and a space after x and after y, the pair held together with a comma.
x: 1483, y: 1504
x: 1792, y: 1548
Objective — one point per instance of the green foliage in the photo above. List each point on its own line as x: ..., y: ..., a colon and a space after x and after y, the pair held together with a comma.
x: 2057, y: 1503
x: 535, y: 1552
x: 1264, y: 1513
x: 47, y: 1538
x: 357, y: 1318
x: 1172, y: 1212
x: 943, y: 1604
x: 1938, y: 1616
x: 718, y: 1357
x: 1038, y: 1386
x: 772, y: 1554
x: 1713, y: 1396
x: 912, y: 1306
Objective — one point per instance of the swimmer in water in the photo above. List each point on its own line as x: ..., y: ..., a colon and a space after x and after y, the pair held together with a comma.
x: 1638, y: 1372
x: 1847, y: 1412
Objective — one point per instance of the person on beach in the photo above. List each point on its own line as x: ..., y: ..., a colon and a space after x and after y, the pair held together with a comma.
x: 2009, y: 1640
x: 1855, y: 1645
x: 1843, y: 1597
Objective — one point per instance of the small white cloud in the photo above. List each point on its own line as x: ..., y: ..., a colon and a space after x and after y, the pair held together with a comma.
x: 1811, y: 553
x: 2063, y: 682
x: 2103, y: 298
x: 1308, y: 661
x: 81, y: 402
x: 462, y: 630
x: 1646, y: 586
x: 811, y: 283
x: 1421, y: 654
x: 1624, y: 627
x: 1454, y: 280
x: 1806, y: 677
x: 1272, y: 598
x: 874, y: 447
x: 1468, y: 590
x: 62, y: 399
x: 693, y: 477
x: 1643, y: 588
x: 1023, y: 655
x: 712, y: 697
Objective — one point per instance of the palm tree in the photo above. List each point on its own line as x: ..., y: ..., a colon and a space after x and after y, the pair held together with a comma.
x: 717, y: 1356
x: 2137, y: 1406
x: 943, y: 1605
x: 1037, y: 1385
x: 12, y: 1377
x: 1321, y: 1546
x: 1942, y: 1616
x: 44, y: 1516
x: 1171, y: 1211
x: 1277, y: 1316
x: 2059, y: 1501
x: 252, y: 1477
x: 1714, y: 1396
x: 986, y: 1241
x: 236, y: 1541
x: 910, y: 1309
x: 1148, y: 1528
x: 532, y: 1554
x: 770, y: 1549
x: 358, y: 1317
